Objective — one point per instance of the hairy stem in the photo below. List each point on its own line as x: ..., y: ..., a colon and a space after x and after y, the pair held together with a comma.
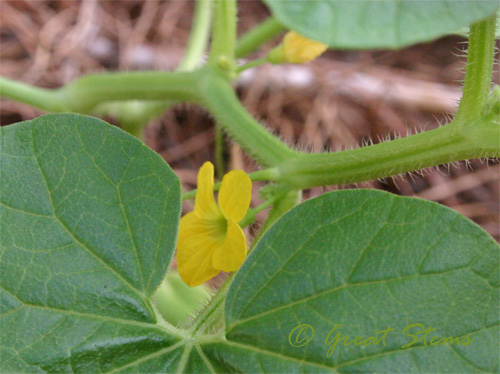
x: 440, y: 146
x: 479, y: 69
x: 221, y: 101
x: 472, y: 134
x: 213, y: 313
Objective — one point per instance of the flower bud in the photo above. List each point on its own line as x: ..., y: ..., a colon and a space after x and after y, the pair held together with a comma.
x: 296, y: 49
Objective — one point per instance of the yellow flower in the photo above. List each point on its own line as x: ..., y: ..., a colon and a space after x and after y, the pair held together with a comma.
x: 296, y: 49
x: 210, y: 239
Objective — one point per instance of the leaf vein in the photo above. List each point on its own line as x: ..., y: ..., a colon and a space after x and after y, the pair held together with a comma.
x: 326, y: 292
x: 205, y: 359
x: 89, y: 250
x: 120, y: 198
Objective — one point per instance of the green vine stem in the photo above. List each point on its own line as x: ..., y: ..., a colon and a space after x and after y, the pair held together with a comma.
x: 259, y: 35
x: 223, y: 35
x: 219, y: 152
x: 213, y: 313
x: 252, y: 64
x: 282, y: 205
x: 85, y: 94
x: 176, y: 301
x: 198, y: 37
x: 479, y: 69
x: 134, y: 115
x: 440, y: 146
x: 105, y: 94
x: 252, y: 212
x: 472, y: 134
x: 221, y: 101
x: 49, y: 100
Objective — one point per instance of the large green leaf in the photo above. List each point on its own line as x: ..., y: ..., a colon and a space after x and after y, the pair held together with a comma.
x: 89, y: 219
x: 367, y: 260
x: 364, y: 24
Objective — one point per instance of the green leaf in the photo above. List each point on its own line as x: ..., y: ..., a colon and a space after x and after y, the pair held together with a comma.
x: 367, y: 260
x: 465, y: 31
x: 365, y: 24
x: 89, y: 219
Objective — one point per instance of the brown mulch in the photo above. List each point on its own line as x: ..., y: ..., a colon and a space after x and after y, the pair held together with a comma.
x: 343, y: 100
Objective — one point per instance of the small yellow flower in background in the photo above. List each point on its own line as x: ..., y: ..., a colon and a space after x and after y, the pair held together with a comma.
x: 210, y: 239
x: 296, y: 49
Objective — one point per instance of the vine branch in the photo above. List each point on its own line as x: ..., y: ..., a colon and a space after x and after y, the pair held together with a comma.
x: 479, y: 69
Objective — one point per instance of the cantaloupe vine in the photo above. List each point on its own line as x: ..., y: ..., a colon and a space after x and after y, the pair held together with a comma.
x: 107, y: 205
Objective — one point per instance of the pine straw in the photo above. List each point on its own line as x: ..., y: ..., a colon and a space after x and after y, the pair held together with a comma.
x: 343, y: 100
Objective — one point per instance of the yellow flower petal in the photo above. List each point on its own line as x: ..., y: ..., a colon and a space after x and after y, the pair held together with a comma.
x: 230, y: 256
x: 299, y: 49
x: 235, y: 194
x: 204, y: 205
x: 198, y: 239
x: 210, y: 239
